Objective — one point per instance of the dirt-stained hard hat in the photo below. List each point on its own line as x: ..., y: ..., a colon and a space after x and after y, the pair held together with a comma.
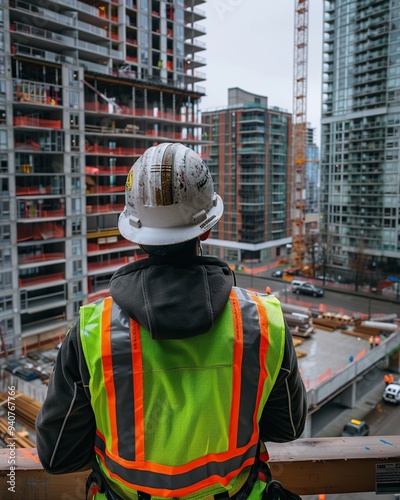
x: 169, y: 197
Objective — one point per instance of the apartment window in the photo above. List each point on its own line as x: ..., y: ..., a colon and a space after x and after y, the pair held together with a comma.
x: 76, y: 206
x: 144, y: 57
x: 4, y: 186
x: 75, y: 185
x: 180, y: 49
x: 4, y: 209
x: 2, y: 90
x: 2, y: 41
x: 2, y: 65
x: 179, y: 16
x: 144, y: 6
x: 76, y: 288
x: 74, y: 142
x: 76, y: 307
x: 143, y: 22
x: 74, y: 121
x: 73, y: 77
x: 6, y: 303
x: 1, y: 17
x: 76, y: 227
x: 3, y: 116
x: 76, y: 247
x: 4, y: 234
x: 74, y: 99
x: 144, y: 39
x: 5, y: 257
x: 179, y: 32
x: 75, y: 164
x: 5, y: 280
x: 3, y: 163
x: 77, y: 268
x: 3, y: 139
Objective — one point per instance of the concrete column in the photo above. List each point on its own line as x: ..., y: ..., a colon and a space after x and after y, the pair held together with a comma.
x: 307, y: 429
x: 348, y: 397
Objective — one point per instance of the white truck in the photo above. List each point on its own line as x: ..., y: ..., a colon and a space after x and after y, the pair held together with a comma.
x: 391, y: 393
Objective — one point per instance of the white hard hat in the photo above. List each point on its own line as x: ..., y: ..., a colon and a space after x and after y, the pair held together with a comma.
x: 169, y: 197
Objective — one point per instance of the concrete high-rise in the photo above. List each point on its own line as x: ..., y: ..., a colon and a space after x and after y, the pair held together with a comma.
x: 250, y: 163
x: 312, y: 175
x: 85, y: 88
x: 360, y: 167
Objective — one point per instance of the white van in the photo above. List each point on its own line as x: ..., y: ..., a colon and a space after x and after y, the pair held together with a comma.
x: 392, y: 393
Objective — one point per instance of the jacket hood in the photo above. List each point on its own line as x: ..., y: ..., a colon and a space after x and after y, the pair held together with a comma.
x: 173, y: 298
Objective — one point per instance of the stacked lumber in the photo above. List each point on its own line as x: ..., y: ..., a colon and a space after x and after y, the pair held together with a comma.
x: 341, y: 318
x: 366, y: 331
x: 19, y: 439
x: 26, y: 408
x: 329, y: 324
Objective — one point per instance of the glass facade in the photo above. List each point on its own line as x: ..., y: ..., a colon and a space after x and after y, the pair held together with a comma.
x: 360, y: 169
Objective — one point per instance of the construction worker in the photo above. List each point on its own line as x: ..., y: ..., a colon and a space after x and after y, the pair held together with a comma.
x: 171, y: 386
x: 386, y: 379
x: 377, y: 340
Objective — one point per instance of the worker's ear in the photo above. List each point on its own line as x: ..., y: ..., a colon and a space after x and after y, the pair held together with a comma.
x: 205, y: 235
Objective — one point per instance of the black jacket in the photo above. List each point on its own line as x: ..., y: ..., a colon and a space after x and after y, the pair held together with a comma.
x: 155, y: 292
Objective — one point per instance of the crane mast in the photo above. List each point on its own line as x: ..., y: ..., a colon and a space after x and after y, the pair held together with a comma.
x: 299, y: 125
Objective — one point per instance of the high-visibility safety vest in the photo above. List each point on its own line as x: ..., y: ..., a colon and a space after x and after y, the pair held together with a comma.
x: 179, y: 418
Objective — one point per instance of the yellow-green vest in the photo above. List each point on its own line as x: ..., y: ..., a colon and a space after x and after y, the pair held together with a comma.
x: 179, y: 418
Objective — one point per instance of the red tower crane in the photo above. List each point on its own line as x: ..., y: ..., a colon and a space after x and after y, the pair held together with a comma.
x: 300, y: 67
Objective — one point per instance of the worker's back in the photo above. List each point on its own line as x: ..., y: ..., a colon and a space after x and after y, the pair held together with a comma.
x: 195, y: 402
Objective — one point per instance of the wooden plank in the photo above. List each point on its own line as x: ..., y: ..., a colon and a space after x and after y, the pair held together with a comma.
x: 332, y: 465
x: 306, y: 466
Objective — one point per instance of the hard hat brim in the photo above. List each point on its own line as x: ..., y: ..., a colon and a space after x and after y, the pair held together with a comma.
x: 169, y: 235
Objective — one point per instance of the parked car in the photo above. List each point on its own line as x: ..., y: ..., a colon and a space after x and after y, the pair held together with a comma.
x: 309, y: 289
x: 391, y: 393
x: 277, y: 274
x: 327, y: 279
x: 296, y: 283
x: 355, y: 428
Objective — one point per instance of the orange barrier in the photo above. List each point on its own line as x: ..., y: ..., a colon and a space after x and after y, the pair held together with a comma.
x: 27, y: 121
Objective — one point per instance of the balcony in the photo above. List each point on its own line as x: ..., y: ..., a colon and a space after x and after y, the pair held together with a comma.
x: 306, y: 466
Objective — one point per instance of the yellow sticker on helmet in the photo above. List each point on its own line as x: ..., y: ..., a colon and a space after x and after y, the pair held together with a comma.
x: 129, y: 181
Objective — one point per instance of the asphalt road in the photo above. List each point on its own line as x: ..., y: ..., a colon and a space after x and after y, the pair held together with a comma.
x: 350, y: 303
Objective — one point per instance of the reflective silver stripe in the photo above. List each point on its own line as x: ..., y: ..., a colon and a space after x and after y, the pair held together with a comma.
x: 121, y: 349
x: 141, y: 478
x: 250, y: 366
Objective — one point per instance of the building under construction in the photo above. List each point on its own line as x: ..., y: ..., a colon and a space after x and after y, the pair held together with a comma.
x: 85, y: 88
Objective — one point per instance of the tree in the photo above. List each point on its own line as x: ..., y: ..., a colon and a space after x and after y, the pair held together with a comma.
x: 358, y: 264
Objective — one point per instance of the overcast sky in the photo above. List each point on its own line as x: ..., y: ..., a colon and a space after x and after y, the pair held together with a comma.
x: 250, y: 45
